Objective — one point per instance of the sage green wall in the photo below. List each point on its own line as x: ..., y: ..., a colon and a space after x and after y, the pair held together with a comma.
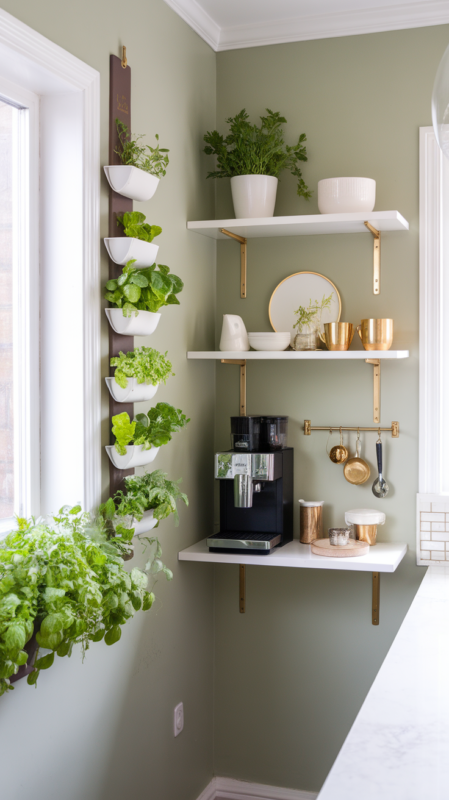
x: 105, y: 729
x: 292, y: 672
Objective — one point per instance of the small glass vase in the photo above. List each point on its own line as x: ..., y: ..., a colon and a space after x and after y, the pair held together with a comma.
x: 306, y: 341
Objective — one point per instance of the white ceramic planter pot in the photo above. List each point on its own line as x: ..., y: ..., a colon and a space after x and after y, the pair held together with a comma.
x: 135, y: 456
x: 131, y: 182
x: 346, y: 195
x: 122, y: 249
x: 147, y: 523
x: 133, y: 393
x: 254, y: 195
x: 144, y: 324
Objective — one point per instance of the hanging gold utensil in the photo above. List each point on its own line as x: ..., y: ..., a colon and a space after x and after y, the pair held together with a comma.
x: 339, y: 453
x: 356, y: 470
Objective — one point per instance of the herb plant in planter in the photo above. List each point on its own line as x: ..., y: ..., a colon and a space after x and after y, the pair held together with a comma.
x: 252, y: 157
x: 64, y: 582
x: 137, y: 243
x: 147, y: 500
x: 309, y: 324
x: 137, y: 295
x: 137, y: 443
x: 138, y: 374
x: 142, y: 166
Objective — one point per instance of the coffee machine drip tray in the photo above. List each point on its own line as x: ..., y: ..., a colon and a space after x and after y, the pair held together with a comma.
x: 261, y: 543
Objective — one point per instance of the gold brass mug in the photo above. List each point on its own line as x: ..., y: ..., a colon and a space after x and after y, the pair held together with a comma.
x: 376, y: 334
x: 337, y: 335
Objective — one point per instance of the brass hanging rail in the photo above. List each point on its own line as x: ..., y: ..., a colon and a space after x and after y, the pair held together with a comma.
x: 393, y: 429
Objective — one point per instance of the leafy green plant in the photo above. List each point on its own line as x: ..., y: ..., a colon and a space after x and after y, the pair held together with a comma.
x: 257, y: 150
x: 143, y: 289
x: 65, y: 581
x: 151, y: 159
x: 313, y: 313
x: 143, y: 363
x: 144, y: 492
x: 135, y: 226
x: 149, y: 430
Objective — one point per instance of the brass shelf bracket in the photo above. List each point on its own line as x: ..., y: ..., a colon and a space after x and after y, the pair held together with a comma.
x: 376, y: 258
x: 243, y: 243
x: 242, y: 588
x: 242, y: 365
x: 376, y: 387
x: 376, y: 598
x: 124, y: 59
x: 393, y: 429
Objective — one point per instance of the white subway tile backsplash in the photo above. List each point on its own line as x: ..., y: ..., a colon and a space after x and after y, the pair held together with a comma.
x: 426, y: 554
x: 425, y: 526
x: 425, y: 536
x: 424, y: 506
x: 437, y: 555
x: 433, y: 518
x: 438, y: 526
x: 440, y: 506
x: 435, y: 545
x: 437, y: 536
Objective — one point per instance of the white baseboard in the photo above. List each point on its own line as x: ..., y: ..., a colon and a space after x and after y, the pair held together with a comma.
x: 230, y: 789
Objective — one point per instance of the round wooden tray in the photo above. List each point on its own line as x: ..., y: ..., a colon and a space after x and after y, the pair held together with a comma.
x: 322, y: 547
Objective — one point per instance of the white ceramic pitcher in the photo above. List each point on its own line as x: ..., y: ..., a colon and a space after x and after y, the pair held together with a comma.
x: 233, y: 333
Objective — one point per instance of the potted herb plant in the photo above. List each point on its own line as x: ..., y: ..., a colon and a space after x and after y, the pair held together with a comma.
x: 63, y: 582
x: 137, y: 443
x: 137, y: 295
x: 252, y: 157
x: 147, y: 500
x: 142, y: 166
x: 137, y: 242
x: 309, y: 324
x: 138, y: 374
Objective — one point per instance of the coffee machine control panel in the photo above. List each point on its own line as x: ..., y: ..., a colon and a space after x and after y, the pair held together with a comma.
x: 259, y: 466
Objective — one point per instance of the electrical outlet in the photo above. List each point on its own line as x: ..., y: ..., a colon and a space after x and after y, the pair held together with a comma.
x: 178, y: 719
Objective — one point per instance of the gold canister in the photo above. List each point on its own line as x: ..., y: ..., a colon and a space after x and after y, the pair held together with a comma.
x: 337, y: 335
x: 366, y: 533
x: 376, y: 334
x: 310, y: 520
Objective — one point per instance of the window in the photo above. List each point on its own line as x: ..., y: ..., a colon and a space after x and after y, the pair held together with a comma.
x: 19, y: 327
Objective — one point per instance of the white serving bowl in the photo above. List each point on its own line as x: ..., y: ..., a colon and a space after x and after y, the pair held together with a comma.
x: 269, y: 341
x: 346, y: 195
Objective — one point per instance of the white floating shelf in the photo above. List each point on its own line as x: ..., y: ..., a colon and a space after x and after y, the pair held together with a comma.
x: 295, y: 355
x: 304, y: 225
x: 381, y: 558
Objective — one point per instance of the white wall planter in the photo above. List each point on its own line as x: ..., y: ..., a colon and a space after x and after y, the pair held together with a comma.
x: 135, y: 456
x: 144, y: 324
x: 122, y: 249
x: 133, y: 393
x: 147, y: 523
x: 131, y: 182
x: 254, y: 195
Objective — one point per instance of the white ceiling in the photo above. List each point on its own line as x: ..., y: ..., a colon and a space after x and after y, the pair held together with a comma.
x: 231, y: 24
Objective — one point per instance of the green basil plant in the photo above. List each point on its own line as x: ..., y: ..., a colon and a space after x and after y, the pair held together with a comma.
x: 149, y: 430
x: 145, y: 289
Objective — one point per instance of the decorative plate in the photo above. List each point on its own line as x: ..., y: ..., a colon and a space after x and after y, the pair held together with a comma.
x: 299, y: 290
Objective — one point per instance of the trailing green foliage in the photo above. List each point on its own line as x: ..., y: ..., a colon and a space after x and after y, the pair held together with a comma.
x: 144, y: 492
x: 134, y: 225
x: 150, y: 430
x: 66, y: 582
x: 143, y: 289
x: 143, y: 363
x: 252, y: 150
x: 151, y: 159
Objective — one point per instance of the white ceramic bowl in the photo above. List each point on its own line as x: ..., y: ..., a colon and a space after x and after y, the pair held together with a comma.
x: 269, y: 341
x: 346, y: 195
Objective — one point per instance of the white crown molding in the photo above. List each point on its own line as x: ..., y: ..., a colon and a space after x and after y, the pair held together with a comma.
x: 341, y: 23
x: 198, y: 19
x: 230, y: 789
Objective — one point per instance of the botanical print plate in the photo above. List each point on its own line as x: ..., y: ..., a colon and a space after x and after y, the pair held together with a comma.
x: 301, y: 289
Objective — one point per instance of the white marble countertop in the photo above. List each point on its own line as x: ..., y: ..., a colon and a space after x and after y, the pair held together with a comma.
x: 398, y: 747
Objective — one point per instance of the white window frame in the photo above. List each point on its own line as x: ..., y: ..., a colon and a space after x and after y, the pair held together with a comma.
x: 69, y: 115
x: 433, y: 497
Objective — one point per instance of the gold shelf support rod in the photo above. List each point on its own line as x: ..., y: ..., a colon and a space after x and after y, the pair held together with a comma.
x: 376, y: 387
x: 242, y: 588
x: 124, y: 59
x: 243, y: 243
x: 308, y: 428
x: 242, y: 365
x: 376, y: 258
x: 376, y: 598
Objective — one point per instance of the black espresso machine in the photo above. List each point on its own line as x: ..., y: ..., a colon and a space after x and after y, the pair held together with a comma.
x: 256, y: 487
